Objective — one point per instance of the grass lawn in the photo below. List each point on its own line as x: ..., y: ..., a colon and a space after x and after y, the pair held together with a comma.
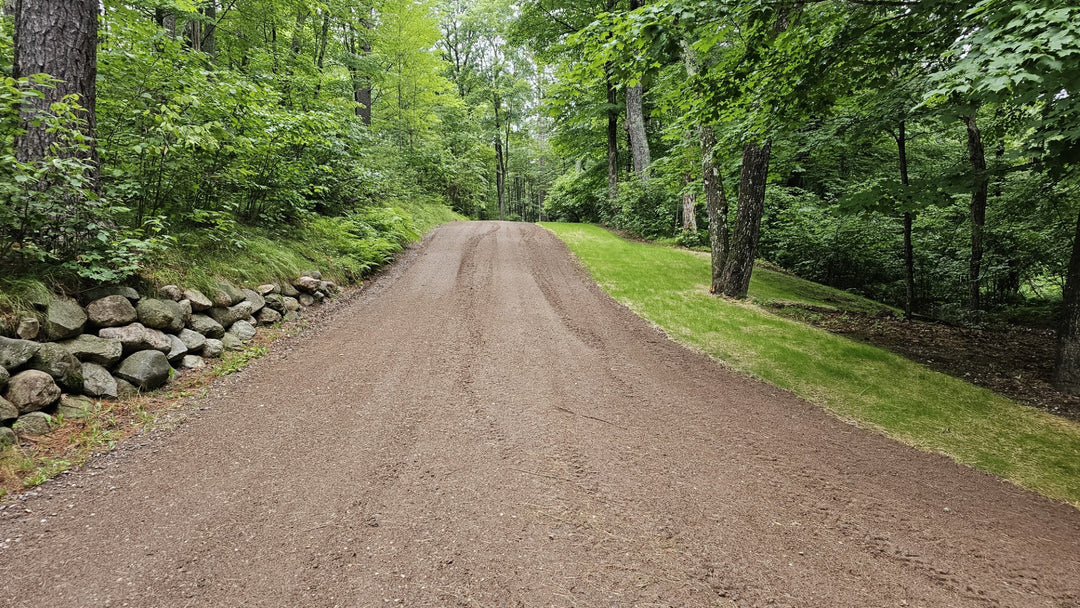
x: 857, y: 382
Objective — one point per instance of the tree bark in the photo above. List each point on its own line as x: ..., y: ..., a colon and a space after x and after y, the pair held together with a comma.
x: 689, y: 204
x: 909, y: 250
x: 1067, y: 367
x: 635, y: 125
x: 612, y: 139
x: 977, y: 155
x: 58, y: 38
x: 716, y: 208
x: 751, y: 205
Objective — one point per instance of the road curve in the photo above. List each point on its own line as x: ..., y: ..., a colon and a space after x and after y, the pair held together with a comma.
x: 485, y: 427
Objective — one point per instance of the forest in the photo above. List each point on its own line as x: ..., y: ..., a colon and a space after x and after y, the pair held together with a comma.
x: 919, y: 152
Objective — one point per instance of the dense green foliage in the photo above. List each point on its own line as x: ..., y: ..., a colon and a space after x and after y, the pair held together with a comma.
x: 858, y: 382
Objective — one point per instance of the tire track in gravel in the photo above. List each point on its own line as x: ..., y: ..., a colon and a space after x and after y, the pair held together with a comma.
x: 485, y: 427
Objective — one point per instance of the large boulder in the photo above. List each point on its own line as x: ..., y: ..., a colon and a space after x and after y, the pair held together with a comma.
x: 64, y: 367
x: 267, y: 316
x: 185, y: 310
x: 88, y: 347
x: 192, y: 362
x: 136, y: 337
x: 288, y: 290
x: 275, y: 301
x: 213, y: 348
x: 243, y: 330
x: 14, y: 353
x: 29, y: 328
x: 8, y: 411
x: 290, y: 304
x: 112, y: 290
x: 75, y: 406
x: 226, y: 294
x: 172, y: 292
x: 192, y: 339
x: 206, y: 326
x: 199, y: 301
x: 227, y: 316
x: 306, y: 300
x: 307, y: 284
x: 179, y: 349
x: 98, y: 382
x: 267, y: 288
x: 4, y: 377
x: 160, y: 314
x: 111, y: 311
x: 33, y: 423
x: 64, y: 319
x: 231, y: 342
x: 32, y: 390
x: 252, y: 297
x: 125, y: 389
x: 146, y: 369
x: 8, y: 438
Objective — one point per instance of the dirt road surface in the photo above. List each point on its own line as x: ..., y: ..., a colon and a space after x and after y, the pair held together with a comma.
x: 484, y: 427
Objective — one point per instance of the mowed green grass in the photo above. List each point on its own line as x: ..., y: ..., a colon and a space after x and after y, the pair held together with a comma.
x: 857, y: 382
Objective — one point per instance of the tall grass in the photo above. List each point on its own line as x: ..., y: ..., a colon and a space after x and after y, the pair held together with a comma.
x: 857, y: 382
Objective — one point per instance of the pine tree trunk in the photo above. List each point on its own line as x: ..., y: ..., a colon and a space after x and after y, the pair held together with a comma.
x: 751, y: 205
x: 977, y: 155
x: 1067, y: 368
x: 612, y: 140
x: 58, y: 38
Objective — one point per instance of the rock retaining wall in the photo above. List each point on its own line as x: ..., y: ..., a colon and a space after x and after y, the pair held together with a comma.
x: 111, y: 343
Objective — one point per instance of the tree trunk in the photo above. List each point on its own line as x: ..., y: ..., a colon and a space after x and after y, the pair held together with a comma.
x: 716, y: 207
x: 362, y: 85
x: 635, y: 125
x: 689, y: 204
x: 751, y: 205
x: 909, y: 251
x: 1067, y: 368
x: 612, y: 139
x: 58, y: 38
x: 977, y: 155
x: 500, y: 161
x: 209, y: 43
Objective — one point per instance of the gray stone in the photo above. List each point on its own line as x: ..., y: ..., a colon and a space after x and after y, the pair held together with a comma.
x: 315, y: 274
x: 192, y: 362
x: 227, y: 316
x: 307, y: 284
x: 125, y: 389
x: 32, y: 390
x: 113, y: 290
x: 206, y: 326
x: 136, y: 337
x: 328, y: 287
x: 98, y: 382
x: 29, y: 328
x: 75, y: 406
x: 290, y: 316
x: 14, y: 353
x: 231, y: 342
x: 8, y: 438
x: 4, y: 377
x: 185, y: 310
x: 267, y: 289
x: 319, y: 296
x: 257, y: 302
x: 179, y: 349
x: 213, y: 348
x: 90, y: 348
x: 55, y: 360
x: 8, y: 411
x: 33, y: 423
x: 146, y: 369
x: 199, y: 301
x: 267, y: 316
x: 275, y: 301
x: 306, y: 299
x: 226, y: 294
x: 111, y: 311
x: 291, y: 304
x: 192, y: 339
x: 64, y: 319
x: 171, y: 292
x: 160, y: 314
x: 243, y: 330
x: 289, y: 290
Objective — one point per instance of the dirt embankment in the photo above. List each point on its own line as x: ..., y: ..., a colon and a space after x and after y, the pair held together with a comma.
x: 487, y: 428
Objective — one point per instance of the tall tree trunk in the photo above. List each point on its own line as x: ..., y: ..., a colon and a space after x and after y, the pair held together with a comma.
x: 909, y: 249
x: 1067, y: 367
x: 209, y: 40
x: 500, y: 162
x: 977, y: 155
x: 751, y: 205
x: 58, y: 38
x: 635, y: 125
x: 689, y: 204
x: 612, y: 139
x: 716, y: 208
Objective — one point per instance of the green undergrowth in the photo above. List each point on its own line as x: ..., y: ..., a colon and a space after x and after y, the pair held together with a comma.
x: 859, y: 383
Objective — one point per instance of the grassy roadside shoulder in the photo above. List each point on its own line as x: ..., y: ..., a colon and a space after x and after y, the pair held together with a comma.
x: 857, y: 382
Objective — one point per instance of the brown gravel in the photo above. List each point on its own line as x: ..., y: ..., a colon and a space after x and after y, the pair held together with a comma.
x: 484, y: 427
